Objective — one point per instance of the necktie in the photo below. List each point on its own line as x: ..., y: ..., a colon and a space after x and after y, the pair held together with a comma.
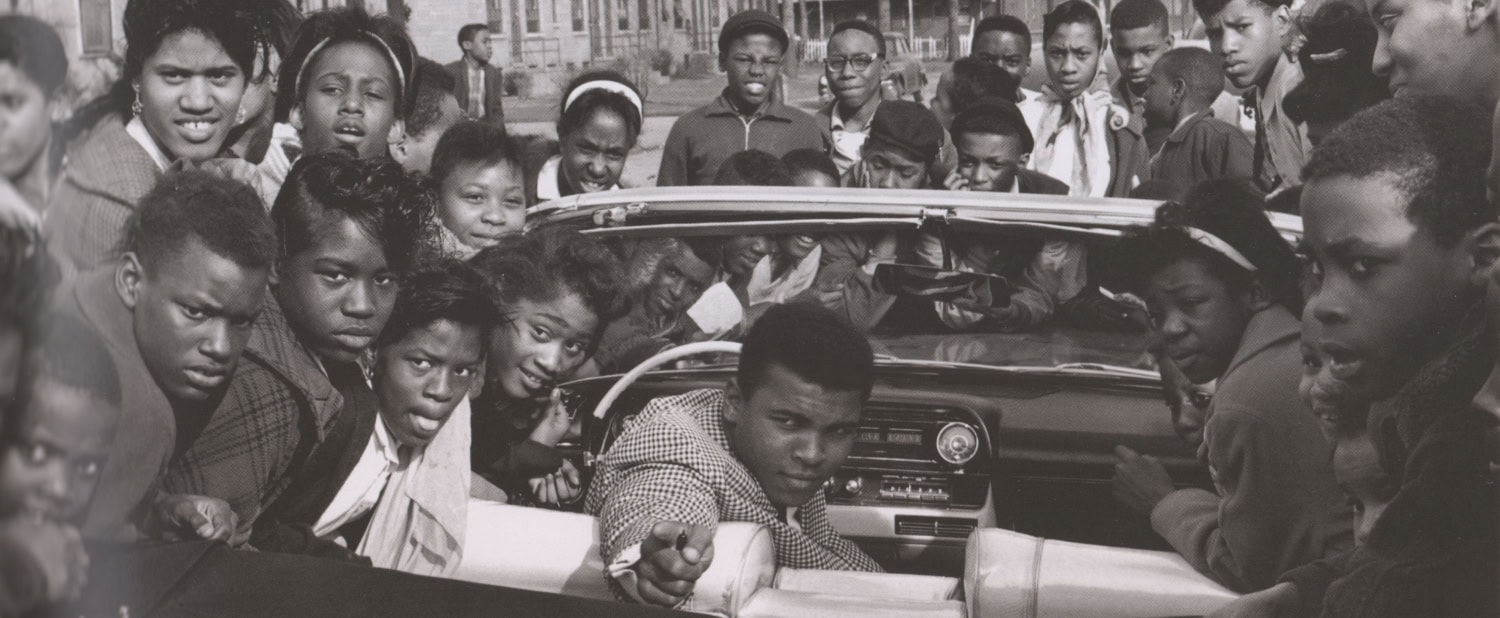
x: 476, y: 92
x: 1259, y: 166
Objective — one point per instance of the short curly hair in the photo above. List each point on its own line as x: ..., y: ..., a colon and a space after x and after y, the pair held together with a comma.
x: 474, y: 142
x: 442, y: 289
x: 1209, y: 8
x: 433, y: 84
x: 810, y: 160
x: 393, y: 209
x: 225, y: 215
x: 753, y: 167
x: 810, y: 341
x: 975, y: 79
x: 1436, y: 150
x: 546, y: 264
x: 1133, y: 14
x: 1008, y: 24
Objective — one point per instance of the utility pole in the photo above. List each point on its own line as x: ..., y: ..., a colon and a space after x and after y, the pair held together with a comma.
x: 655, y: 18
x: 953, y: 32
x: 802, y: 20
x: 884, y: 21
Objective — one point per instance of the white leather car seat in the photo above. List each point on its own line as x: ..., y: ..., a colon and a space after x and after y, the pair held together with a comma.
x: 553, y: 551
x: 1016, y: 575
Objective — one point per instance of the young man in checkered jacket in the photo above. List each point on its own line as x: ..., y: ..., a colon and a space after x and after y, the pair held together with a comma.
x: 758, y: 450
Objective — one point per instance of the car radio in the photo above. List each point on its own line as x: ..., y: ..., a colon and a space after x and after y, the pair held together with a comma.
x: 906, y: 456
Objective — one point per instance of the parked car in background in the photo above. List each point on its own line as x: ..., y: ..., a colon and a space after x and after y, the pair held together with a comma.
x: 904, y: 76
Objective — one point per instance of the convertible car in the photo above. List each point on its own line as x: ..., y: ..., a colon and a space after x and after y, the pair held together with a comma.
x: 980, y: 479
x: 976, y: 445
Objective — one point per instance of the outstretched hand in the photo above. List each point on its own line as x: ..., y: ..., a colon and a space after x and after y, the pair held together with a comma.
x: 667, y: 572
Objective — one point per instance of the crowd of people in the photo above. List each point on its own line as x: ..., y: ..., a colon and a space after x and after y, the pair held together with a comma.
x: 275, y: 289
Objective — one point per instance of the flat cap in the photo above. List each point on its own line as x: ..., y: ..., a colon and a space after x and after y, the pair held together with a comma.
x: 745, y: 22
x: 908, y: 127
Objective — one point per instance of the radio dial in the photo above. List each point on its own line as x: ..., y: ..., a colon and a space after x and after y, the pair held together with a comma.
x: 957, y: 443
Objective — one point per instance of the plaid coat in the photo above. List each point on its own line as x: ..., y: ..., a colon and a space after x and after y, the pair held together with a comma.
x: 278, y: 408
x: 673, y: 463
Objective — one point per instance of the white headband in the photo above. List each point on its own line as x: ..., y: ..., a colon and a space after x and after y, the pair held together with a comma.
x: 1219, y: 246
x: 607, y: 86
x: 391, y: 53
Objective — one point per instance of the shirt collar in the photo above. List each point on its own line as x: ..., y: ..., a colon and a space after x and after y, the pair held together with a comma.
x: 1179, y: 133
x: 1284, y: 77
x: 770, y: 109
x: 386, y: 445
x: 836, y: 119
x: 137, y: 131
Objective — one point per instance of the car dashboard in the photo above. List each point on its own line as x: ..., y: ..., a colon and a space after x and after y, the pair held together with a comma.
x: 940, y: 453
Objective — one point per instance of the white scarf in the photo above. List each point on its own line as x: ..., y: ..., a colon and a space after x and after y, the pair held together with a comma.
x: 418, y: 525
x: 1092, y: 117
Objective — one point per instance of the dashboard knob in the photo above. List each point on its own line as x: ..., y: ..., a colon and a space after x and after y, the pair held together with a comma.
x: 853, y: 486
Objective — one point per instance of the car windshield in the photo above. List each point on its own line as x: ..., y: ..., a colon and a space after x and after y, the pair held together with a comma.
x: 983, y: 287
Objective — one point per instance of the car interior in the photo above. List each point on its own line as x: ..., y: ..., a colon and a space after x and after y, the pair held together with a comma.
x: 980, y: 479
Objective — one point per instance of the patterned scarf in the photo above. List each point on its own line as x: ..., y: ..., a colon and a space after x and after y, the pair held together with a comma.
x: 1090, y: 116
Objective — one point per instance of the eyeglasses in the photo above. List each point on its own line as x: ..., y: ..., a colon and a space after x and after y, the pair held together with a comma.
x: 860, y: 62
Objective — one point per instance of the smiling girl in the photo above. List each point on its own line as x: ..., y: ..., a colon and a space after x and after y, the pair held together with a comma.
x: 557, y: 291
x: 1222, y: 289
x: 601, y: 118
x: 186, y: 63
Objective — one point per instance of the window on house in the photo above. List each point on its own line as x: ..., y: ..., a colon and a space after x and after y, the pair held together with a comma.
x: 94, y: 27
x: 645, y: 15
x: 578, y: 25
x: 495, y: 16
x: 622, y: 15
x: 533, y: 16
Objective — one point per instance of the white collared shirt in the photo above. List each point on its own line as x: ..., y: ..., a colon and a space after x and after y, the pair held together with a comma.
x: 137, y: 131
x: 846, y: 144
x: 361, y: 491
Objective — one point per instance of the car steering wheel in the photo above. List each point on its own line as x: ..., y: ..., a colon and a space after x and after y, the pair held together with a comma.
x: 661, y: 358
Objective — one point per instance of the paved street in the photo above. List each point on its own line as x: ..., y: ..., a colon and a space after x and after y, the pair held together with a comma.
x: 664, y: 103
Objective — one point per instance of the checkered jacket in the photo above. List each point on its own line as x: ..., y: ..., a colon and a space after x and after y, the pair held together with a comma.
x: 673, y: 463
x: 277, y: 408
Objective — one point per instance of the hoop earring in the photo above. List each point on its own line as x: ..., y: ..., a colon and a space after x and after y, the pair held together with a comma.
x: 135, y: 107
x: 239, y: 116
